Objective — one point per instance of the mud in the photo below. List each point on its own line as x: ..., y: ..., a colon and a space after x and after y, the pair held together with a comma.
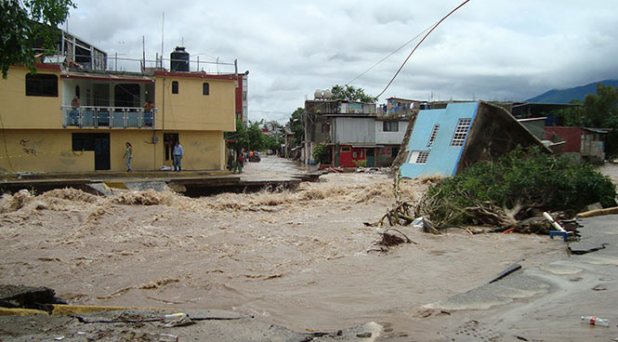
x: 297, y: 259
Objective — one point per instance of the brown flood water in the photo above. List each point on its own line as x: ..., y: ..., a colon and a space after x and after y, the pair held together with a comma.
x: 299, y: 259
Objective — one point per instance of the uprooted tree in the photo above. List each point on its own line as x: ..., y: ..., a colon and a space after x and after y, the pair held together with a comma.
x: 516, y: 186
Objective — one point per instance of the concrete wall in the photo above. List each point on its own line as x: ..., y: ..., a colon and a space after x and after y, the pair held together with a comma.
x: 389, y: 138
x: 40, y: 151
x: 495, y: 133
x: 353, y: 130
x: 203, y: 150
x: 20, y: 111
x: 443, y: 158
x: 535, y: 126
x: 190, y: 109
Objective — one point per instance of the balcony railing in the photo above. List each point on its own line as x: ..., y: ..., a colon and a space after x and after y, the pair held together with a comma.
x: 107, y: 117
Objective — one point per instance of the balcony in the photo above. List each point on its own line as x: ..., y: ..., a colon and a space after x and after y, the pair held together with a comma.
x: 107, y: 117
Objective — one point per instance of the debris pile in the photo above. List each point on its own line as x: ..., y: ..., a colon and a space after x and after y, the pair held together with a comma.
x: 17, y: 296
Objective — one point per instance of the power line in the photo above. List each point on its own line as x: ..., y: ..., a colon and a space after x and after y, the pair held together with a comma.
x: 419, y: 43
x: 389, y: 55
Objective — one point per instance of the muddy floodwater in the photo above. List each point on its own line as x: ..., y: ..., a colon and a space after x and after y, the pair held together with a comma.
x: 301, y: 259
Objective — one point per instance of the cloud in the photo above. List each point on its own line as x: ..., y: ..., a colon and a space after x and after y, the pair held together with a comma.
x: 494, y: 50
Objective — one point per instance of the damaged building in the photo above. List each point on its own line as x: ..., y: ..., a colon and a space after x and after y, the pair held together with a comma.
x: 442, y: 142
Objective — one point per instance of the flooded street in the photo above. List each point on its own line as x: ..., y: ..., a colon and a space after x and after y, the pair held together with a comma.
x: 298, y: 259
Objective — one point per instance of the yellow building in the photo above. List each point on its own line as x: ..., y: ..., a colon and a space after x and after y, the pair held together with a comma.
x: 43, y: 129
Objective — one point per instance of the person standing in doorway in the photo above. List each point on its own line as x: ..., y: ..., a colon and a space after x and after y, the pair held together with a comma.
x: 177, y: 155
x: 128, y: 155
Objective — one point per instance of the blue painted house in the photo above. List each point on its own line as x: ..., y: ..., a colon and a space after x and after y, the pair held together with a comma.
x: 445, y: 141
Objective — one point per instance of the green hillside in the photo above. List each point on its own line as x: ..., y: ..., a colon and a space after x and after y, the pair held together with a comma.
x: 575, y: 93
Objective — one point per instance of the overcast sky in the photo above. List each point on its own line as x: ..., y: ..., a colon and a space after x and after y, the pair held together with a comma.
x: 489, y: 49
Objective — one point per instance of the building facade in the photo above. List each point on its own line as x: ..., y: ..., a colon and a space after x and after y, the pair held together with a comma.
x: 445, y: 141
x: 68, y: 119
x: 355, y: 134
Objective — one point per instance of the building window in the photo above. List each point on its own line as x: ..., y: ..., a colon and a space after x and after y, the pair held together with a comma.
x: 418, y: 157
x: 174, y: 87
x: 82, y: 142
x: 205, y: 89
x: 461, y: 131
x: 41, y: 85
x: 390, y: 126
x: 434, y: 133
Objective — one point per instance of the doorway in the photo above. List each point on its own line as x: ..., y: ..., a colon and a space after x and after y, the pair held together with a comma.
x: 97, y: 142
x: 370, y: 154
x: 169, y: 140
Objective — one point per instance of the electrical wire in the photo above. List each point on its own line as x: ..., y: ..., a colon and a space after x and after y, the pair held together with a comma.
x: 419, y: 43
x: 389, y: 55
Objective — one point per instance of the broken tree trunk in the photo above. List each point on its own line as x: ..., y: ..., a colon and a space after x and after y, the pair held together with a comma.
x: 403, y: 148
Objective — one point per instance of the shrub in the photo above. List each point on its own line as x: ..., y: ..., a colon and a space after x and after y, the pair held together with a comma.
x: 525, y: 181
x: 320, y: 153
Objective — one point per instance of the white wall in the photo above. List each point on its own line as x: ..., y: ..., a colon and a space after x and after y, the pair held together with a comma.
x: 390, y: 137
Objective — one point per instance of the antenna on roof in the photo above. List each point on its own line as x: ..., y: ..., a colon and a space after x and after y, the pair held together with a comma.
x: 162, y: 36
x: 143, y: 53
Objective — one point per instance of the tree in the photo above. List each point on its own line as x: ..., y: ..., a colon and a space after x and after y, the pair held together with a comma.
x: 350, y: 93
x: 296, y: 126
x: 251, y: 137
x: 238, y: 139
x: 601, y: 109
x: 572, y: 116
x: 274, y: 140
x: 255, y: 136
x: 25, y: 24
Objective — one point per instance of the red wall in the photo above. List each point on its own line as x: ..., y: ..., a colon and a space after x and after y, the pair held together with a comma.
x: 239, y: 93
x: 572, y: 136
x: 347, y: 159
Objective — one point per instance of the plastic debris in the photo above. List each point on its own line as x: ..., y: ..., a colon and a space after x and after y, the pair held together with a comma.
x: 594, y: 320
x: 178, y: 319
x: 168, y: 338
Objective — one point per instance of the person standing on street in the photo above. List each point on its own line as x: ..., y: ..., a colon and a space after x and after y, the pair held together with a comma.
x: 128, y: 155
x: 177, y: 155
x: 240, y: 161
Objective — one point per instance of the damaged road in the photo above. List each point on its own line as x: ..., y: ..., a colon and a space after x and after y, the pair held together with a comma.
x: 544, y: 303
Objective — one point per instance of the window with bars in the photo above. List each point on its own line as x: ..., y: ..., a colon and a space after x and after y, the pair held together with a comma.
x: 434, y: 133
x: 418, y: 157
x: 461, y: 131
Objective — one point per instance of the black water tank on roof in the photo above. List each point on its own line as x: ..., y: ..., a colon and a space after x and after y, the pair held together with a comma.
x: 179, y: 59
